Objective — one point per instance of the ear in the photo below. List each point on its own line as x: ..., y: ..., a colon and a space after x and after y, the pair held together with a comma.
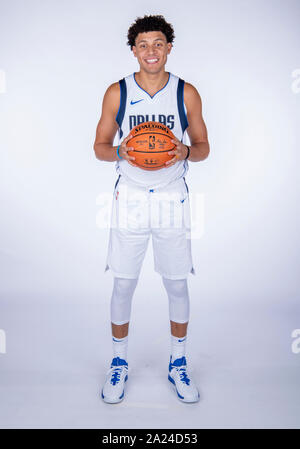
x: 134, y: 50
x: 169, y: 45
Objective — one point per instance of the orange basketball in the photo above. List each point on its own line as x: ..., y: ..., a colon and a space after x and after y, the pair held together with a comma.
x: 151, y: 142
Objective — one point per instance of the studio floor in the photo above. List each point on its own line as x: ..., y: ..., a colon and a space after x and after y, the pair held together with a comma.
x: 55, y: 364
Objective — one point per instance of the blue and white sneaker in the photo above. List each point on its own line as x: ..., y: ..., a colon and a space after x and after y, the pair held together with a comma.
x: 117, y: 375
x: 185, y: 388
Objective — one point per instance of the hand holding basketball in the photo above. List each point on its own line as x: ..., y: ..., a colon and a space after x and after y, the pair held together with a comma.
x: 123, y: 151
x: 180, y: 152
x: 151, y: 142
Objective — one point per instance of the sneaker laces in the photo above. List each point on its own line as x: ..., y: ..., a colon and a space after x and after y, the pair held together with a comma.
x: 115, y: 378
x: 116, y: 375
x: 183, y: 375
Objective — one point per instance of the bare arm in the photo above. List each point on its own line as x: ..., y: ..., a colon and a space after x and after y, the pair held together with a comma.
x: 107, y: 128
x: 196, y: 130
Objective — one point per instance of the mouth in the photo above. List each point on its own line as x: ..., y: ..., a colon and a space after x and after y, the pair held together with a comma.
x: 151, y: 61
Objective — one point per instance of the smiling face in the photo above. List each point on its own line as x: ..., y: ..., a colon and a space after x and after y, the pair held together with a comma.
x: 151, y: 50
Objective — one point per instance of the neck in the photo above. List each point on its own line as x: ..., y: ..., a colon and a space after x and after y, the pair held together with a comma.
x: 152, y: 82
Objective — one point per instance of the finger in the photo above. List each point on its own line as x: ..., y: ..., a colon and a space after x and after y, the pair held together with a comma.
x: 169, y: 164
x: 126, y: 149
x: 171, y: 152
x: 171, y: 160
x: 127, y: 138
x: 176, y: 141
x: 127, y: 157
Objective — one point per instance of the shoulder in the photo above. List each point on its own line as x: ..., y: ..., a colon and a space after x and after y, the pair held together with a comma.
x: 113, y: 90
x: 192, y: 97
x: 111, y: 98
x: 190, y: 92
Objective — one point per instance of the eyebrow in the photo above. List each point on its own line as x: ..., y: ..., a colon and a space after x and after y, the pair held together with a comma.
x: 157, y: 39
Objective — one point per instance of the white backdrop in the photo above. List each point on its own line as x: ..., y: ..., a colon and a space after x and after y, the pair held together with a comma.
x: 56, y: 60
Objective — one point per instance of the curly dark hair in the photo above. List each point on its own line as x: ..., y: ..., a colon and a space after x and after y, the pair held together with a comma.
x: 150, y: 23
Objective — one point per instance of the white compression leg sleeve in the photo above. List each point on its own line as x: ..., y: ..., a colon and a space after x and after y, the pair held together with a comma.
x: 120, y: 304
x: 179, y: 301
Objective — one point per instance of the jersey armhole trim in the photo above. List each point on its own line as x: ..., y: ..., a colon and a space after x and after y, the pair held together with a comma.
x: 181, y: 106
x: 123, y: 99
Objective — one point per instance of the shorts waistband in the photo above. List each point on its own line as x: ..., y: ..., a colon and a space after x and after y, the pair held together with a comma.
x: 148, y: 188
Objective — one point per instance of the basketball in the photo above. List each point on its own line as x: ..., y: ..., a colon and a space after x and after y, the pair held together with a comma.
x: 151, y: 142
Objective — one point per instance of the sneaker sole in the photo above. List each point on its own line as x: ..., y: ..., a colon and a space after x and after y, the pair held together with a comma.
x: 114, y: 401
x: 181, y: 398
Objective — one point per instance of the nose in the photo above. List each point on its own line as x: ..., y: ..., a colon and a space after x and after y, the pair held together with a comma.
x: 152, y: 50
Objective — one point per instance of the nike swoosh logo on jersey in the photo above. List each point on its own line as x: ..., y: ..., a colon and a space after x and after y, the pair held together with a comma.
x: 182, y: 340
x: 134, y: 102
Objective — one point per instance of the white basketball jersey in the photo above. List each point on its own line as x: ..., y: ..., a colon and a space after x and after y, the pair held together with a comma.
x: 167, y: 107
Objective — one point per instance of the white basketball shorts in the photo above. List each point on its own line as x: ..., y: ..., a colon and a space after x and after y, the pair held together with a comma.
x: 141, y: 212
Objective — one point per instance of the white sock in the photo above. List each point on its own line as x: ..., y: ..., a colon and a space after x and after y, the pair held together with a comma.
x: 120, y: 347
x: 177, y: 347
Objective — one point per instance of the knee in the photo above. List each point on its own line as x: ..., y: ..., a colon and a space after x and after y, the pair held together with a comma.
x: 176, y: 288
x: 124, y: 288
x: 179, y: 305
x: 121, y: 299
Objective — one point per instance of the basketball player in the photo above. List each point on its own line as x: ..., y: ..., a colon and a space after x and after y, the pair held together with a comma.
x: 151, y: 94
